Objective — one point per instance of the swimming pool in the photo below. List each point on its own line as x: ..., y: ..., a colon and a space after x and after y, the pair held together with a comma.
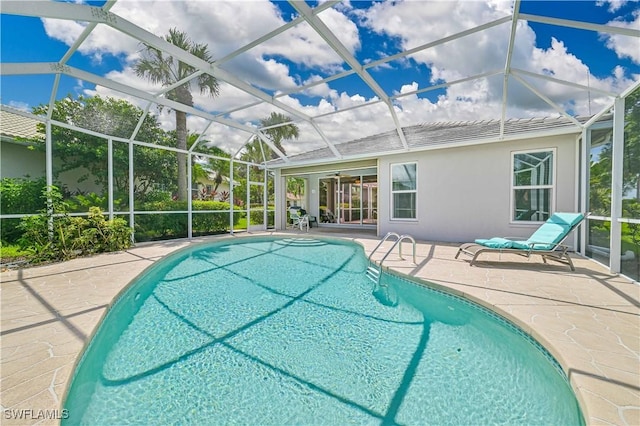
x: 290, y: 331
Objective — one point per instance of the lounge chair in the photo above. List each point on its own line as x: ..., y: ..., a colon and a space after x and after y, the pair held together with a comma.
x: 546, y: 241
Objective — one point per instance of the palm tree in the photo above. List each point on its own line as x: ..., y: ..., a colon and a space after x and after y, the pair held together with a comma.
x: 275, y: 135
x: 166, y: 70
x: 205, y: 164
x: 252, y: 152
x: 280, y: 133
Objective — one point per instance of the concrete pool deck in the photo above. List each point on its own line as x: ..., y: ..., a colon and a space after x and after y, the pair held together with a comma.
x: 588, y: 319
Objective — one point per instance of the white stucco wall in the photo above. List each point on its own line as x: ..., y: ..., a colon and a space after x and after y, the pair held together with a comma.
x: 18, y: 161
x: 464, y: 193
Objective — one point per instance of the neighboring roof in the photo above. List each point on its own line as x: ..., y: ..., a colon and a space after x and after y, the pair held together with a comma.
x: 440, y: 135
x: 17, y: 126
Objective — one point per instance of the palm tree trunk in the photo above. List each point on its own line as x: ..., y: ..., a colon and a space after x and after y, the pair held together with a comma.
x: 181, y: 135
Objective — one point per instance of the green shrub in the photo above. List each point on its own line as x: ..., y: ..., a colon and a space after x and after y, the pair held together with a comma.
x: 174, y: 225
x: 53, y: 235
x: 256, y: 216
x: 22, y: 195
x: 152, y: 196
x: 10, y: 230
x: 83, y: 202
x: 12, y: 252
x: 19, y: 195
x: 160, y: 226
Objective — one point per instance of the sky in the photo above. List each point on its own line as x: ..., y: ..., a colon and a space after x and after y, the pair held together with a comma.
x: 370, y: 31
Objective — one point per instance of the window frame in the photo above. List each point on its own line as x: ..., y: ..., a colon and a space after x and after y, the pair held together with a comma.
x: 405, y: 191
x: 513, y: 187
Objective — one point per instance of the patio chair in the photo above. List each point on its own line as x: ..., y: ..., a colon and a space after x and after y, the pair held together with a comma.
x: 297, y: 219
x: 546, y: 241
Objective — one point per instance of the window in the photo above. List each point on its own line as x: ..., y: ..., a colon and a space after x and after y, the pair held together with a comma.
x: 533, y: 185
x: 403, y: 191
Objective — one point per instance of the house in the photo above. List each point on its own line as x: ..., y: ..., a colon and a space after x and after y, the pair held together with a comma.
x: 21, y: 159
x: 453, y: 181
x: 16, y: 131
x: 207, y: 188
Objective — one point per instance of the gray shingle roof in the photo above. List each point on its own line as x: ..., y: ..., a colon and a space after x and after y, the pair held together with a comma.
x: 442, y: 134
x: 17, y: 126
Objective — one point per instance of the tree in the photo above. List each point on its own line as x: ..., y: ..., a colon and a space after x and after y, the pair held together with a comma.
x: 114, y: 117
x: 253, y: 151
x: 295, y: 187
x: 219, y: 166
x: 276, y: 135
x: 166, y: 70
x: 631, y: 167
x: 600, y: 170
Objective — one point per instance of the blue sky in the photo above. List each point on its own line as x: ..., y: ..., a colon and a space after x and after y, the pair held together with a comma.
x: 369, y: 31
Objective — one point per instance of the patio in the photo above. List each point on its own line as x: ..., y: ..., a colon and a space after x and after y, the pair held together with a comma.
x: 588, y: 319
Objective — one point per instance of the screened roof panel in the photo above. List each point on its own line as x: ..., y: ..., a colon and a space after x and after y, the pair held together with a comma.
x: 566, y: 9
x: 575, y: 100
x: 254, y: 114
x: 222, y: 136
x: 347, y: 125
x: 349, y: 86
x: 364, y: 34
x: 414, y: 24
x: 13, y: 94
x: 230, y: 99
x: 309, y: 140
x: 23, y: 36
x: 382, y: 65
x: 412, y: 71
x: 478, y: 98
x: 303, y: 46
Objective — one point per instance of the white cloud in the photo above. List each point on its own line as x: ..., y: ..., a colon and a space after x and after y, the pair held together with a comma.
x: 625, y: 46
x: 614, y: 5
x: 321, y: 89
x: 299, y: 56
x: 103, y: 40
x: 21, y: 106
x: 220, y: 135
x: 487, y: 51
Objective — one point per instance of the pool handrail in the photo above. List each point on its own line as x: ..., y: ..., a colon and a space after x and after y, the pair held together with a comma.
x: 374, y: 273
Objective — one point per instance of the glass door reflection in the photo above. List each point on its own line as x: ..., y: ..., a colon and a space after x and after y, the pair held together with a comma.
x: 348, y: 199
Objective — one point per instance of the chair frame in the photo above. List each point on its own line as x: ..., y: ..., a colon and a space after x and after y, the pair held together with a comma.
x: 299, y: 221
x: 558, y: 253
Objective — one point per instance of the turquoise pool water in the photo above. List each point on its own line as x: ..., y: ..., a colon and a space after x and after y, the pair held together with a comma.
x: 290, y: 331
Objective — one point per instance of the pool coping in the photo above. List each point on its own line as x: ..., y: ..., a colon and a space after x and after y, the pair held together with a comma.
x: 588, y: 320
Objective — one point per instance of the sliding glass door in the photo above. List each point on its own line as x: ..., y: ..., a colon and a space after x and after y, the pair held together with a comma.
x: 349, y: 198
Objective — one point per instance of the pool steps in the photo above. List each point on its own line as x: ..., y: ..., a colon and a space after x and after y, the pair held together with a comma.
x: 373, y: 270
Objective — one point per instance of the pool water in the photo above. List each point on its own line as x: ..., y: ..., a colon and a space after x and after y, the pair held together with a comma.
x: 291, y: 331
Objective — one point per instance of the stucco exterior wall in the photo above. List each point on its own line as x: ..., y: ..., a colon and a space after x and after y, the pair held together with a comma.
x: 464, y: 193
x: 18, y: 161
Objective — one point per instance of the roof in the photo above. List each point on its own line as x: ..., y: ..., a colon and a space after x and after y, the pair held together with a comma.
x: 17, y: 126
x: 441, y: 135
x: 338, y: 69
